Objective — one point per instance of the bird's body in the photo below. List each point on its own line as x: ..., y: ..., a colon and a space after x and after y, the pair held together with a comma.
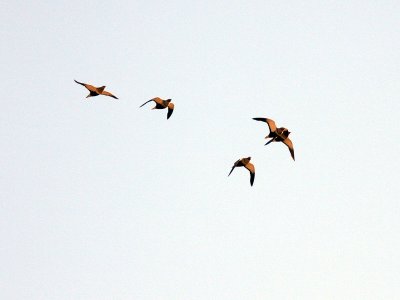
x: 161, y: 104
x: 245, y: 162
x: 95, y: 91
x: 280, y: 134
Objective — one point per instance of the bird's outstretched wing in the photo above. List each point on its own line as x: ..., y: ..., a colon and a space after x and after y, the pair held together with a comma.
x: 146, y: 102
x: 159, y: 101
x: 105, y: 93
x: 91, y: 88
x: 289, y: 144
x: 270, y: 141
x: 232, y: 170
x: 81, y: 83
x: 250, y: 167
x: 170, y: 109
x: 252, y: 176
x: 271, y: 123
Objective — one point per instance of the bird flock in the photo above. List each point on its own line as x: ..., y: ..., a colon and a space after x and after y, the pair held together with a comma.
x: 280, y: 134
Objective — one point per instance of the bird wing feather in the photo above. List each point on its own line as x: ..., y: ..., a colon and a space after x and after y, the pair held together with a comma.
x: 250, y: 167
x: 289, y: 144
x: 270, y: 123
x: 105, y: 93
x: 91, y: 88
x: 146, y: 102
x: 232, y: 170
x: 170, y: 109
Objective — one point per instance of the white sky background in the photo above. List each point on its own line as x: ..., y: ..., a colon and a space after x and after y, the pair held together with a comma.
x: 103, y: 200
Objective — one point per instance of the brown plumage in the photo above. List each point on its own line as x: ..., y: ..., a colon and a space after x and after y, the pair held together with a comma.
x: 95, y: 91
x: 161, y: 104
x: 278, y: 134
x: 245, y: 162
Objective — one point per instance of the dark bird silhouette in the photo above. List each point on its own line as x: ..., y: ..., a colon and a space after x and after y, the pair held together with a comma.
x: 278, y: 134
x: 161, y: 104
x: 95, y: 91
x: 245, y: 162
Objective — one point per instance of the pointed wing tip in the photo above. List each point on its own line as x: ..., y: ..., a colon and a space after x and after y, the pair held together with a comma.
x: 146, y: 102
x: 231, y: 171
x: 252, y: 176
x: 171, y: 107
x: 289, y: 144
x: 270, y: 141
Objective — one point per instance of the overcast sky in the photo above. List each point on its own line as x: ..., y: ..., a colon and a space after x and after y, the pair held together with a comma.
x: 103, y: 200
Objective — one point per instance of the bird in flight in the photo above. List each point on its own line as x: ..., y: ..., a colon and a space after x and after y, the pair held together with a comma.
x: 161, y: 104
x: 245, y: 162
x: 278, y: 134
x: 95, y: 91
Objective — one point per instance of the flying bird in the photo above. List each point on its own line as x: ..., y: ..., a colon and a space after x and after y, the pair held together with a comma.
x: 278, y: 134
x: 95, y: 91
x: 161, y: 104
x: 245, y: 162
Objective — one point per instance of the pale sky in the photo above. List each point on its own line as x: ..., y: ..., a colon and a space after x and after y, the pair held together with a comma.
x: 103, y: 200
